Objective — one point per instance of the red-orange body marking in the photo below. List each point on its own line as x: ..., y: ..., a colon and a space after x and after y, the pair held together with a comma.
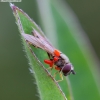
x: 52, y: 61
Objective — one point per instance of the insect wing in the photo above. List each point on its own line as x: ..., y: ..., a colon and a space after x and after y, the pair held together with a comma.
x: 39, y: 41
x: 44, y: 41
x: 42, y: 37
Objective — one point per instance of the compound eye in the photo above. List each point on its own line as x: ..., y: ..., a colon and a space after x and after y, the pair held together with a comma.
x: 66, y: 69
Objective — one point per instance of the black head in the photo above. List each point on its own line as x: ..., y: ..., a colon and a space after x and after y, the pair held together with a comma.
x: 67, y: 69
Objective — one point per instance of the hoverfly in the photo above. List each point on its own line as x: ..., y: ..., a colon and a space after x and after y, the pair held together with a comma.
x: 57, y: 58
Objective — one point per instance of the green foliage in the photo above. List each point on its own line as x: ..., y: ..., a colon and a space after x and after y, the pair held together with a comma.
x: 71, y: 40
x: 47, y: 86
x: 62, y: 28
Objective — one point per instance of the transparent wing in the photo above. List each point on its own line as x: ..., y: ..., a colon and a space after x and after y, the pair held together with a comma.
x: 39, y: 41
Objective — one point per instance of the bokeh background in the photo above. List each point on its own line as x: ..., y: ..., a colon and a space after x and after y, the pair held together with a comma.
x: 16, y: 82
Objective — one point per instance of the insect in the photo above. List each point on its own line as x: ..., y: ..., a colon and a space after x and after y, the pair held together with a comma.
x: 57, y: 58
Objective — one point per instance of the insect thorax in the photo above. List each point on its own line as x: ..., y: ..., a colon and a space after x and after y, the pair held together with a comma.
x: 60, y: 63
x: 63, y: 60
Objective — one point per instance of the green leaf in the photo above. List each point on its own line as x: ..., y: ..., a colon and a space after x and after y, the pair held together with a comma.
x: 47, y: 86
x: 62, y: 27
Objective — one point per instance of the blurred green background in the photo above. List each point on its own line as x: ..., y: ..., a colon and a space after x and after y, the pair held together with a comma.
x: 16, y: 82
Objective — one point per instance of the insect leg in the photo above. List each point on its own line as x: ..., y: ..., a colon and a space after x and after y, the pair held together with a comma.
x: 50, y: 68
x: 55, y: 74
x: 61, y: 76
x: 50, y: 57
